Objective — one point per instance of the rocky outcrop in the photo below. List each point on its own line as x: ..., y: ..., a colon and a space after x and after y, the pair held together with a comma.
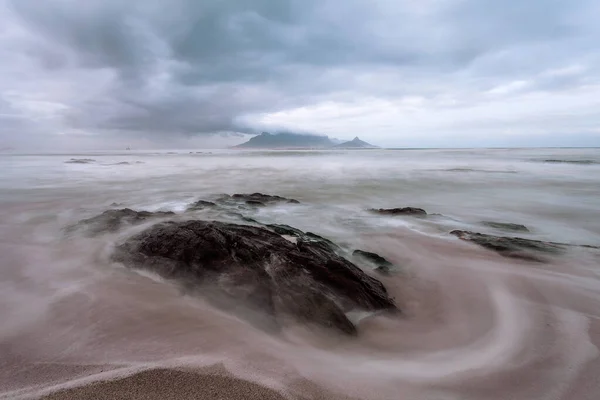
x: 258, y: 267
x: 113, y: 220
x: 201, y: 205
x: 505, y: 226
x: 514, y: 247
x: 383, y: 265
x: 308, y: 237
x: 263, y: 198
x: 400, y: 211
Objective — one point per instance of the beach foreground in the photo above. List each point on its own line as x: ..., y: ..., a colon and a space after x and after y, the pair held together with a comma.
x: 170, y: 384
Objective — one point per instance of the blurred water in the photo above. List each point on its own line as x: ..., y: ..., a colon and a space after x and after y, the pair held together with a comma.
x: 475, y: 325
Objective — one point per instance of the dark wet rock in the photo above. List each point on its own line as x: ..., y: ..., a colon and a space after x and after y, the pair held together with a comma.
x: 266, y: 199
x: 244, y: 218
x: 314, y: 238
x: 121, y: 163
x: 514, y: 247
x: 257, y: 267
x: 113, y: 220
x: 255, y: 203
x: 400, y: 211
x: 201, y: 205
x: 305, y: 236
x: 286, y: 230
x: 505, y: 226
x: 383, y: 265
x: 580, y: 162
x: 80, y: 161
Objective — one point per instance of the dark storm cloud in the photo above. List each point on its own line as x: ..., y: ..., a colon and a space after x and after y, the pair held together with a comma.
x: 192, y: 67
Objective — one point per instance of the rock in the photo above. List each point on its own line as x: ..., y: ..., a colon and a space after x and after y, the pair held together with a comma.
x: 525, y: 249
x: 257, y: 267
x: 113, y: 220
x: 257, y: 197
x: 314, y: 238
x: 244, y: 218
x: 201, y: 205
x: 80, y: 161
x: 305, y: 236
x: 383, y: 265
x: 286, y: 230
x: 506, y: 226
x: 400, y: 211
x: 255, y: 203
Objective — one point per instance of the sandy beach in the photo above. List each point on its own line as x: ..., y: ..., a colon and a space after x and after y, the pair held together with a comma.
x: 180, y: 384
x: 165, y: 384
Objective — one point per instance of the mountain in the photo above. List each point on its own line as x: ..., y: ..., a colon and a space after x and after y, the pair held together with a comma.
x: 286, y: 141
x: 356, y: 143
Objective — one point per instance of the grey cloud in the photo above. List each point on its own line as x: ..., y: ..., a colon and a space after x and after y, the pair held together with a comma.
x: 192, y: 67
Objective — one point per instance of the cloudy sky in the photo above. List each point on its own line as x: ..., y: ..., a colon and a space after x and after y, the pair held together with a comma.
x: 198, y: 73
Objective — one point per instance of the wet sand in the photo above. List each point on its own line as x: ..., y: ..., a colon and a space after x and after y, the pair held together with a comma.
x: 165, y: 384
x: 180, y: 384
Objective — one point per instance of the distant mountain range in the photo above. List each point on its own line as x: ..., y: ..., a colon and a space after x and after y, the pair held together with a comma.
x: 300, y: 141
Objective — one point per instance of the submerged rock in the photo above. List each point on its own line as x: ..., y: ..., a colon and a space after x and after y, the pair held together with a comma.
x: 514, y: 247
x: 256, y: 198
x: 400, y: 211
x: 257, y: 267
x: 201, y: 205
x: 383, y: 265
x: 113, y: 220
x: 506, y: 226
x: 80, y: 161
x: 255, y: 203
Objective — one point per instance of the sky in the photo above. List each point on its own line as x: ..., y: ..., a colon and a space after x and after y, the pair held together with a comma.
x: 104, y: 74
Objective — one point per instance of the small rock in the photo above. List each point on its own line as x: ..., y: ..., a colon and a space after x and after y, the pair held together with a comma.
x: 258, y: 197
x: 525, y: 249
x: 506, y: 226
x: 255, y: 203
x: 383, y: 265
x: 80, y: 161
x: 400, y: 211
x: 201, y: 205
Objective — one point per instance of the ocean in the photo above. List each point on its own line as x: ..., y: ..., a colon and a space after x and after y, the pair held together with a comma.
x: 474, y: 324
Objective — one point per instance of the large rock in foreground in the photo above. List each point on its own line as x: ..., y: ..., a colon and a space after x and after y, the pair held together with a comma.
x: 258, y: 267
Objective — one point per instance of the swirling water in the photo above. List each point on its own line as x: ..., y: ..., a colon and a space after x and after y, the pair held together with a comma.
x: 474, y: 325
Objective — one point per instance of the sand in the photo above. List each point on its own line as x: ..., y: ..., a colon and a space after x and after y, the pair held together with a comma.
x: 165, y: 384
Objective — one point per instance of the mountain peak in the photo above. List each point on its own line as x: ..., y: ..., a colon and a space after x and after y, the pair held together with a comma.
x: 356, y: 143
x: 286, y: 140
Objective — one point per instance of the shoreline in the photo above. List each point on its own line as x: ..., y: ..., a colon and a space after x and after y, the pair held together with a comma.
x: 164, y: 383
